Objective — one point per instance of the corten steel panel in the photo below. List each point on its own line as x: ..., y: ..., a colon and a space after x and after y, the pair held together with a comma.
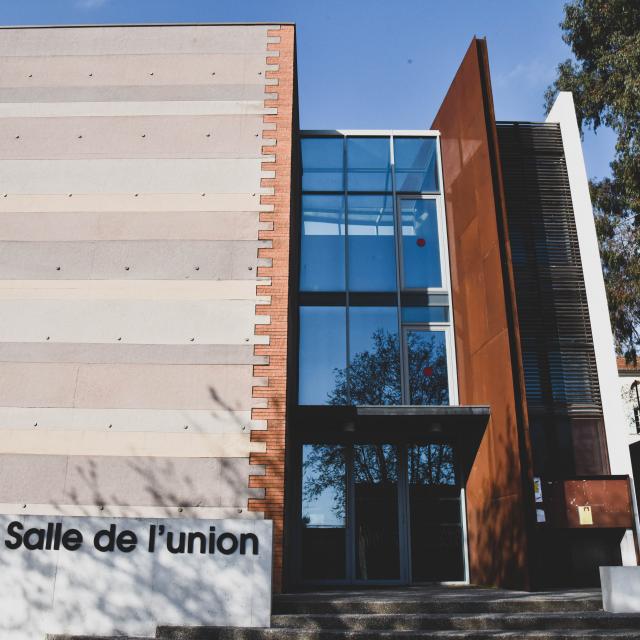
x: 499, y: 504
x: 609, y: 499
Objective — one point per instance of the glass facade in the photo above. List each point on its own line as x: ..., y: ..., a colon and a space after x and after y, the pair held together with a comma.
x: 375, y: 310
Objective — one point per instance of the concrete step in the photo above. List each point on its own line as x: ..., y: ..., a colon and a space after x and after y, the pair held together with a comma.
x: 86, y: 637
x: 474, y: 622
x: 228, y: 633
x: 425, y: 606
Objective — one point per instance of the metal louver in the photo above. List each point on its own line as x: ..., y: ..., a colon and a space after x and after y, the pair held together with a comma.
x: 555, y: 331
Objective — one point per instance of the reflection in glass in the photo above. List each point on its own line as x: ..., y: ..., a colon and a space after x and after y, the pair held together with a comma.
x: 375, y: 476
x: 323, y: 512
x: 370, y: 230
x: 322, y: 164
x: 420, y: 244
x: 323, y: 351
x: 431, y: 464
x: 368, y: 164
x: 427, y: 365
x: 435, y: 514
x: 425, y: 314
x: 323, y: 243
x: 416, y: 164
x: 374, y: 354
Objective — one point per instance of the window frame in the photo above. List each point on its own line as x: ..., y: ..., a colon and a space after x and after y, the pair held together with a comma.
x: 442, y: 244
x: 396, y: 198
x: 449, y: 349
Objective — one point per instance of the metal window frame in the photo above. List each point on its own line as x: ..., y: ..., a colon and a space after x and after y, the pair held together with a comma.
x: 404, y: 518
x: 447, y: 329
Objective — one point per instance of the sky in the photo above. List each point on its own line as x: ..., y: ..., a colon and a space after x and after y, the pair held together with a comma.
x: 372, y: 64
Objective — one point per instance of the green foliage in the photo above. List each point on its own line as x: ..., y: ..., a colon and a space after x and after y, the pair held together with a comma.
x: 604, y: 36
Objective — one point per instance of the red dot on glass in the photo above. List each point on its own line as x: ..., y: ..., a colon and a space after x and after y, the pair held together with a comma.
x: 428, y: 371
x: 420, y: 242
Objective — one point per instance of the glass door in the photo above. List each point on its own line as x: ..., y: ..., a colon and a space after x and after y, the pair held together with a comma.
x: 380, y: 513
x: 435, y: 514
x: 375, y: 508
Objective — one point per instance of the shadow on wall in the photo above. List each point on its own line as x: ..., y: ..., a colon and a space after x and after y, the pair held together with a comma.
x: 130, y: 592
x: 497, y: 556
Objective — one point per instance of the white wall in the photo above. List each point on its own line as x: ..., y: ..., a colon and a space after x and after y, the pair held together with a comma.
x: 87, y: 591
x: 563, y: 113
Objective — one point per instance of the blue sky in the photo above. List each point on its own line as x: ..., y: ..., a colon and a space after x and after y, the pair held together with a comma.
x: 372, y: 63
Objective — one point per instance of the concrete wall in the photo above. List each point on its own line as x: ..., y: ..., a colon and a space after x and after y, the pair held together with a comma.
x: 131, y: 167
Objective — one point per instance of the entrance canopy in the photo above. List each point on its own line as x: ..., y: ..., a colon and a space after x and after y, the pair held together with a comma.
x: 461, y: 425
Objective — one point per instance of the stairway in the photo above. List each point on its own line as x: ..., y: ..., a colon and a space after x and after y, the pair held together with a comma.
x: 437, y: 613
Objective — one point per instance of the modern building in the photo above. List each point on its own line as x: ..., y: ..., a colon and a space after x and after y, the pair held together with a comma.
x: 393, y: 347
x: 630, y: 393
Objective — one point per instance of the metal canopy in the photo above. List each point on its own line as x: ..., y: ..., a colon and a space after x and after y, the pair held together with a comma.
x: 461, y: 425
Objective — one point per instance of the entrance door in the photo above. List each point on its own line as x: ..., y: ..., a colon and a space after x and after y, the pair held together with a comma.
x: 380, y: 513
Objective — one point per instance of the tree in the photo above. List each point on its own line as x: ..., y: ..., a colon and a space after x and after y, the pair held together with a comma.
x: 604, y: 36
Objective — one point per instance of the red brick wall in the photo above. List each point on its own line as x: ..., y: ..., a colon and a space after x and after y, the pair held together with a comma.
x: 278, y: 142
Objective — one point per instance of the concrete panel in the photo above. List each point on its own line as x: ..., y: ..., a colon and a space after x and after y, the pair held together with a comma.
x: 140, y: 420
x: 140, y: 322
x: 136, y: 260
x: 148, y: 108
x: 133, y: 70
x: 108, y: 443
x: 122, y: 386
x: 131, y: 176
x: 131, y: 289
x: 129, y: 353
x: 38, y: 479
x: 87, y: 591
x: 126, y: 481
x: 132, y: 137
x: 165, y: 387
x: 170, y: 39
x: 115, y: 511
x: 37, y: 385
x: 148, y: 93
x: 620, y: 589
x: 129, y: 202
x: 90, y: 226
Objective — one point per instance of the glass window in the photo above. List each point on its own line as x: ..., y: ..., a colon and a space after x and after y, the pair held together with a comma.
x: 431, y: 465
x: 372, y: 264
x: 415, y: 162
x: 323, y: 511
x: 322, y: 353
x: 415, y: 315
x: 368, y: 164
x: 322, y: 164
x: 323, y: 243
x: 374, y: 356
x: 427, y: 367
x: 420, y: 244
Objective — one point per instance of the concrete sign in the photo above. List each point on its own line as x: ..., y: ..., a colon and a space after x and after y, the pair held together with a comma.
x: 103, y: 576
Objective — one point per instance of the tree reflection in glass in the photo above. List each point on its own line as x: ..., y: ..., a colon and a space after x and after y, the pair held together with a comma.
x: 373, y: 376
x: 323, y: 512
x: 427, y: 364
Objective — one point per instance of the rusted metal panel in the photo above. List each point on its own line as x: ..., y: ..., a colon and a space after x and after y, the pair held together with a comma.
x: 608, y: 499
x: 487, y: 345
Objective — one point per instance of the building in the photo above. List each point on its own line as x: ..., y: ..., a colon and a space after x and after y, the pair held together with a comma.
x: 393, y: 347
x: 629, y: 380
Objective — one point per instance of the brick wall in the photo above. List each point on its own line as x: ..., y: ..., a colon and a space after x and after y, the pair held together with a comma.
x: 278, y: 145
